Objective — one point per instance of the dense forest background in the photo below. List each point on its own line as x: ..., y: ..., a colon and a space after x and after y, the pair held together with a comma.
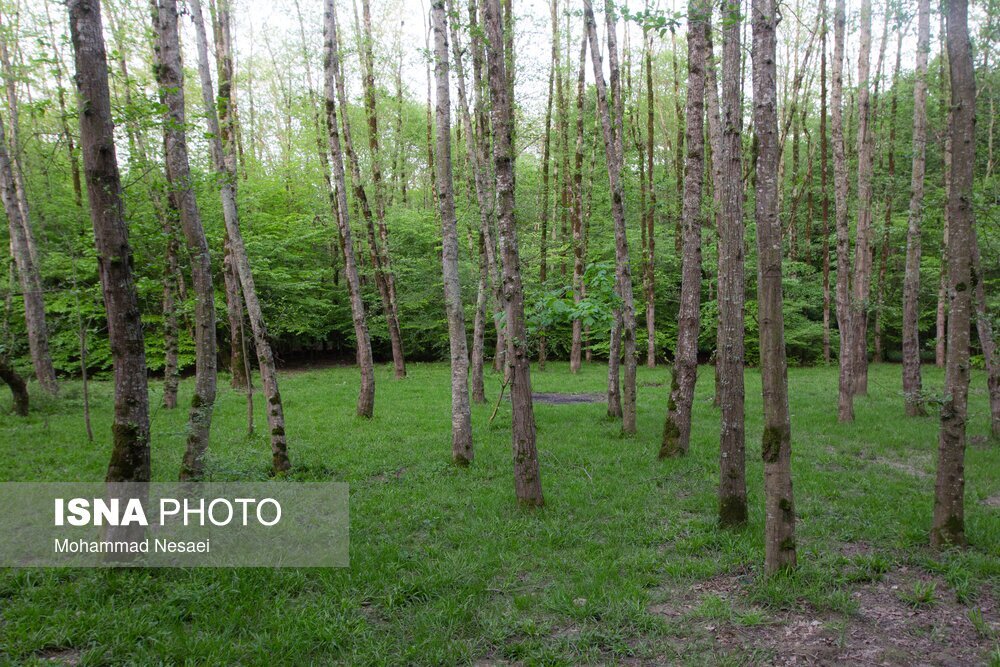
x: 286, y: 214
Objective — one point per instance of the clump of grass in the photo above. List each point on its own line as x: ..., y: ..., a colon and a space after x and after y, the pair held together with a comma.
x: 982, y: 627
x: 922, y: 595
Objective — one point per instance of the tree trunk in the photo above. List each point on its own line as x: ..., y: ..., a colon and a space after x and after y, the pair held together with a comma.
x: 366, y: 396
x: 912, y: 388
x: 579, y: 247
x: 650, y: 214
x: 941, y: 321
x: 612, y: 131
x: 776, y: 446
x: 225, y: 161
x: 461, y: 415
x: 984, y: 328
x: 862, y: 269
x: 527, y: 477
x: 949, y: 490
x: 543, y: 240
x: 18, y: 388
x: 823, y: 186
x: 170, y: 77
x: 845, y: 393
x: 130, y: 426
x: 391, y: 314
x: 730, y: 360
x: 677, y: 429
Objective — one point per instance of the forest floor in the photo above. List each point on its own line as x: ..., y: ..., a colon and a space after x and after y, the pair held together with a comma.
x: 624, y: 565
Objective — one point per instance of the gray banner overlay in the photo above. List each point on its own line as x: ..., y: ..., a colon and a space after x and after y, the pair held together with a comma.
x: 261, y: 524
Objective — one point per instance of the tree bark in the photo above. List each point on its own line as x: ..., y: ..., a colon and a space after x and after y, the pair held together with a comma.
x: 543, y: 240
x: 862, y: 269
x: 579, y: 247
x: 461, y: 415
x: 824, y: 170
x: 845, y: 393
x: 366, y: 396
x: 224, y: 158
x: 612, y: 131
x: 385, y: 262
x: 527, y: 477
x: 912, y: 386
x: 18, y: 388
x: 949, y: 490
x: 941, y: 321
x: 130, y: 426
x: 650, y: 214
x: 984, y: 328
x: 730, y: 363
x: 776, y: 446
x: 677, y: 428
x: 170, y: 77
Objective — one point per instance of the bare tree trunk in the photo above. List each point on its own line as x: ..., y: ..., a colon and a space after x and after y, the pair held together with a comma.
x: 862, y: 269
x: 579, y: 247
x: 391, y: 314
x: 730, y: 364
x: 887, y: 226
x: 612, y: 130
x: 130, y: 427
x: 650, y: 214
x: 546, y: 151
x: 776, y: 445
x: 941, y: 321
x: 170, y: 77
x: 224, y: 156
x: 677, y: 428
x: 366, y: 396
x: 824, y: 170
x: 949, y: 490
x: 461, y: 415
x: 845, y: 394
x: 527, y: 477
x: 984, y: 328
x: 912, y: 388
x: 679, y: 144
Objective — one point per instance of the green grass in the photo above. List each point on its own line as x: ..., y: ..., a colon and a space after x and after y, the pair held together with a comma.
x: 445, y: 568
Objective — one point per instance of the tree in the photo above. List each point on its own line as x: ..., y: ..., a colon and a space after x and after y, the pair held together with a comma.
x: 911, y: 281
x: 170, y: 78
x: 776, y: 446
x: 845, y: 392
x: 612, y: 131
x: 17, y: 385
x: 824, y: 191
x: 732, y: 437
x: 862, y: 269
x: 366, y: 396
x: 130, y: 425
x: 677, y: 428
x: 461, y: 415
x: 546, y: 151
x: 948, y: 528
x: 579, y: 246
x: 224, y: 158
x: 650, y: 214
x: 527, y: 477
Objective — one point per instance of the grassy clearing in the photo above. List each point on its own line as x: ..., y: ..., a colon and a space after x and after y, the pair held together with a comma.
x: 624, y: 563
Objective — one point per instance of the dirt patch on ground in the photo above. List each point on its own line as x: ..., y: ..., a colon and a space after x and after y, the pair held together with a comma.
x: 992, y: 501
x: 902, y: 466
x: 566, y: 399
x: 59, y: 656
x: 890, y: 628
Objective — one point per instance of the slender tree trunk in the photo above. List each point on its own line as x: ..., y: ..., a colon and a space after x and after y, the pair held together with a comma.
x: 461, y: 415
x: 825, y: 194
x: 366, y: 396
x: 941, y: 322
x: 224, y: 157
x: 730, y: 364
x: 130, y: 426
x: 612, y: 130
x: 776, y: 445
x: 845, y: 400
x: 912, y: 388
x: 862, y: 269
x: 949, y: 490
x: 170, y: 78
x: 527, y: 477
x: 579, y: 247
x: 887, y: 226
x: 391, y: 308
x: 677, y: 428
x: 546, y: 151
x: 17, y: 385
x: 650, y: 214
x: 984, y: 328
x: 678, y: 144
